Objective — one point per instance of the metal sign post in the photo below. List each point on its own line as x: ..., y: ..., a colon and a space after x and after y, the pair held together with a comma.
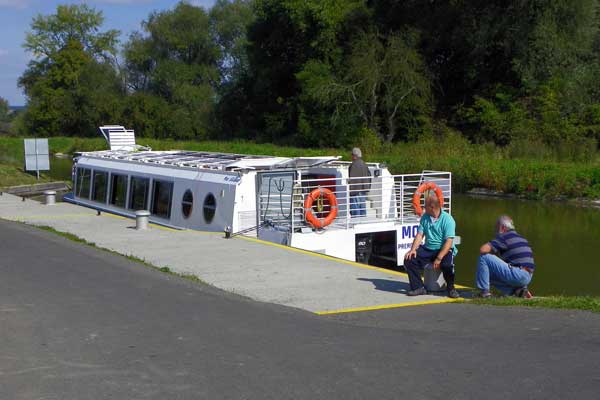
x: 37, y: 155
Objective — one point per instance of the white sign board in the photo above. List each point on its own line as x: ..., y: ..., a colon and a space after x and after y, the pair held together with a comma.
x: 36, y: 155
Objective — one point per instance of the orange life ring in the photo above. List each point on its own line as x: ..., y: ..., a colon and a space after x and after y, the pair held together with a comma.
x: 416, y: 200
x: 310, y: 216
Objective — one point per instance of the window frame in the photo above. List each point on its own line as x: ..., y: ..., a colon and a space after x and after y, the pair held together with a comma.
x: 154, y: 198
x: 146, y: 200
x: 188, y: 203
x: 111, y: 193
x: 93, y: 185
x: 78, y: 183
x: 206, y: 207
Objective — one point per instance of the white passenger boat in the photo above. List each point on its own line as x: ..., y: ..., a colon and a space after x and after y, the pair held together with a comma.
x: 261, y: 196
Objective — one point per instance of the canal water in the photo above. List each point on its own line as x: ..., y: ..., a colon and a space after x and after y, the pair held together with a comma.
x: 60, y: 168
x: 565, y: 238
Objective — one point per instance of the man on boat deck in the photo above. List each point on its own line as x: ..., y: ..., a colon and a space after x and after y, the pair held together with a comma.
x: 360, y: 183
x: 438, y: 228
x: 512, y: 269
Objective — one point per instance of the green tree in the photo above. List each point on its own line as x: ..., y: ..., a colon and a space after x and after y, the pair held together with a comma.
x: 284, y: 36
x: 229, y: 22
x: 382, y: 83
x: 71, y: 84
x: 71, y: 23
x: 176, y: 59
x: 4, y: 110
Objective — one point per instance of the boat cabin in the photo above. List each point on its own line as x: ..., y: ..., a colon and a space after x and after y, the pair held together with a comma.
x: 261, y: 196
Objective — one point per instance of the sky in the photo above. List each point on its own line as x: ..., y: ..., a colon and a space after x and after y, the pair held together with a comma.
x: 15, y: 21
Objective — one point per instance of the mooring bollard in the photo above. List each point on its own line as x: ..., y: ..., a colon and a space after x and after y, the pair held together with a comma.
x: 433, y: 279
x: 49, y: 197
x: 141, y: 219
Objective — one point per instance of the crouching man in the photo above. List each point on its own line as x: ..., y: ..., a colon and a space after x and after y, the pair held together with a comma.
x: 505, y: 262
x: 438, y: 228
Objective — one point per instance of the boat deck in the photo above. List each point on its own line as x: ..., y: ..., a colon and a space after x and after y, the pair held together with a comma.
x: 209, y: 160
x: 248, y: 267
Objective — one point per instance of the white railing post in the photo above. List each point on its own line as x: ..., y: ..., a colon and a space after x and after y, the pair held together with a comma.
x: 450, y: 193
x: 402, y: 199
x: 347, y: 203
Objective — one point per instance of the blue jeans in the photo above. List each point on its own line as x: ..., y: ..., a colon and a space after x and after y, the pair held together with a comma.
x: 358, y: 204
x: 493, y: 270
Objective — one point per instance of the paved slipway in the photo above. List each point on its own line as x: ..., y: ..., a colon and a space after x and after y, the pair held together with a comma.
x: 261, y: 271
x: 81, y: 323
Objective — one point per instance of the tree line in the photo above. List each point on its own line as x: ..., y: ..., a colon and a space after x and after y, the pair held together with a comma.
x: 323, y: 72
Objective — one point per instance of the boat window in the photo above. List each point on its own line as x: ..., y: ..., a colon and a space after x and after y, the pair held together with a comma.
x: 187, y: 203
x: 82, y: 188
x: 118, y: 190
x: 138, y: 198
x: 161, y: 198
x: 99, y: 186
x: 209, y: 208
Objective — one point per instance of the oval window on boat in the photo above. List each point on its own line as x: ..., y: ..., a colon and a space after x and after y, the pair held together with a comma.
x: 187, y: 203
x: 209, y: 208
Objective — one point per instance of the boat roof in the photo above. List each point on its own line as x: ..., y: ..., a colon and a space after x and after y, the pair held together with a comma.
x: 211, y: 160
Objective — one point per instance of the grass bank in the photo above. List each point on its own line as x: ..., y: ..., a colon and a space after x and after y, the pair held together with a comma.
x: 586, y: 303
x: 12, y: 175
x: 510, y: 170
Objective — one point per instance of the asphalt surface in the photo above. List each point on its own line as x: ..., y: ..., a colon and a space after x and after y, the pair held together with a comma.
x: 259, y: 270
x: 80, y: 323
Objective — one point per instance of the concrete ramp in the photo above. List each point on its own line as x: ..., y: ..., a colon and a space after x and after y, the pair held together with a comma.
x: 245, y: 266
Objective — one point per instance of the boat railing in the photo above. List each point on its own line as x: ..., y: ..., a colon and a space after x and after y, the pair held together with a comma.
x: 388, y: 198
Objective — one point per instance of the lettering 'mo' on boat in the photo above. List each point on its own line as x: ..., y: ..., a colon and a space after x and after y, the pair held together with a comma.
x: 302, y: 202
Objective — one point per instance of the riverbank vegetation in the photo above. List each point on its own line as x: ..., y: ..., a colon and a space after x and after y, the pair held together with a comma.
x: 542, y: 175
x: 13, y: 175
x: 585, y: 303
x: 504, y: 95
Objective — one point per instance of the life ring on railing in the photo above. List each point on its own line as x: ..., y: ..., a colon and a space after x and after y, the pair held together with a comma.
x: 416, y: 200
x: 310, y: 216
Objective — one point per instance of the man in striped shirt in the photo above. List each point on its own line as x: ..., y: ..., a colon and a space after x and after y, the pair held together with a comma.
x: 505, y: 262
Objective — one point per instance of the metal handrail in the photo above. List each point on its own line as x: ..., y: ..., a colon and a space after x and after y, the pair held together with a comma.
x: 389, y: 198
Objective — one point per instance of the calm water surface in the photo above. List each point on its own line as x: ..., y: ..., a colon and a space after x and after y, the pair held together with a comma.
x: 565, y: 241
x: 565, y: 238
x: 60, y: 168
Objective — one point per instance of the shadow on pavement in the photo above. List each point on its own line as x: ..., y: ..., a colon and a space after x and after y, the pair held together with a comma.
x: 393, y: 286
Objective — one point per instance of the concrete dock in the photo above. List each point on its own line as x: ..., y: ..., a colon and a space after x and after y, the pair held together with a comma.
x: 245, y: 266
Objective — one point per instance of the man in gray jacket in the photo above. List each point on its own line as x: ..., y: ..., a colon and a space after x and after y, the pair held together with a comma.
x: 359, y: 183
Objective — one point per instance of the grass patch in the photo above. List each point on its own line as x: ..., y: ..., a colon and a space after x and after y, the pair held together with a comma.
x: 13, y: 175
x: 77, y: 239
x: 586, y: 303
x: 67, y: 235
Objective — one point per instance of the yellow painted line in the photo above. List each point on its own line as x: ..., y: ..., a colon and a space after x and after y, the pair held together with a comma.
x: 326, y: 257
x: 22, y: 218
x: 164, y: 228
x: 196, y: 232
x: 106, y: 213
x: 388, y: 306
